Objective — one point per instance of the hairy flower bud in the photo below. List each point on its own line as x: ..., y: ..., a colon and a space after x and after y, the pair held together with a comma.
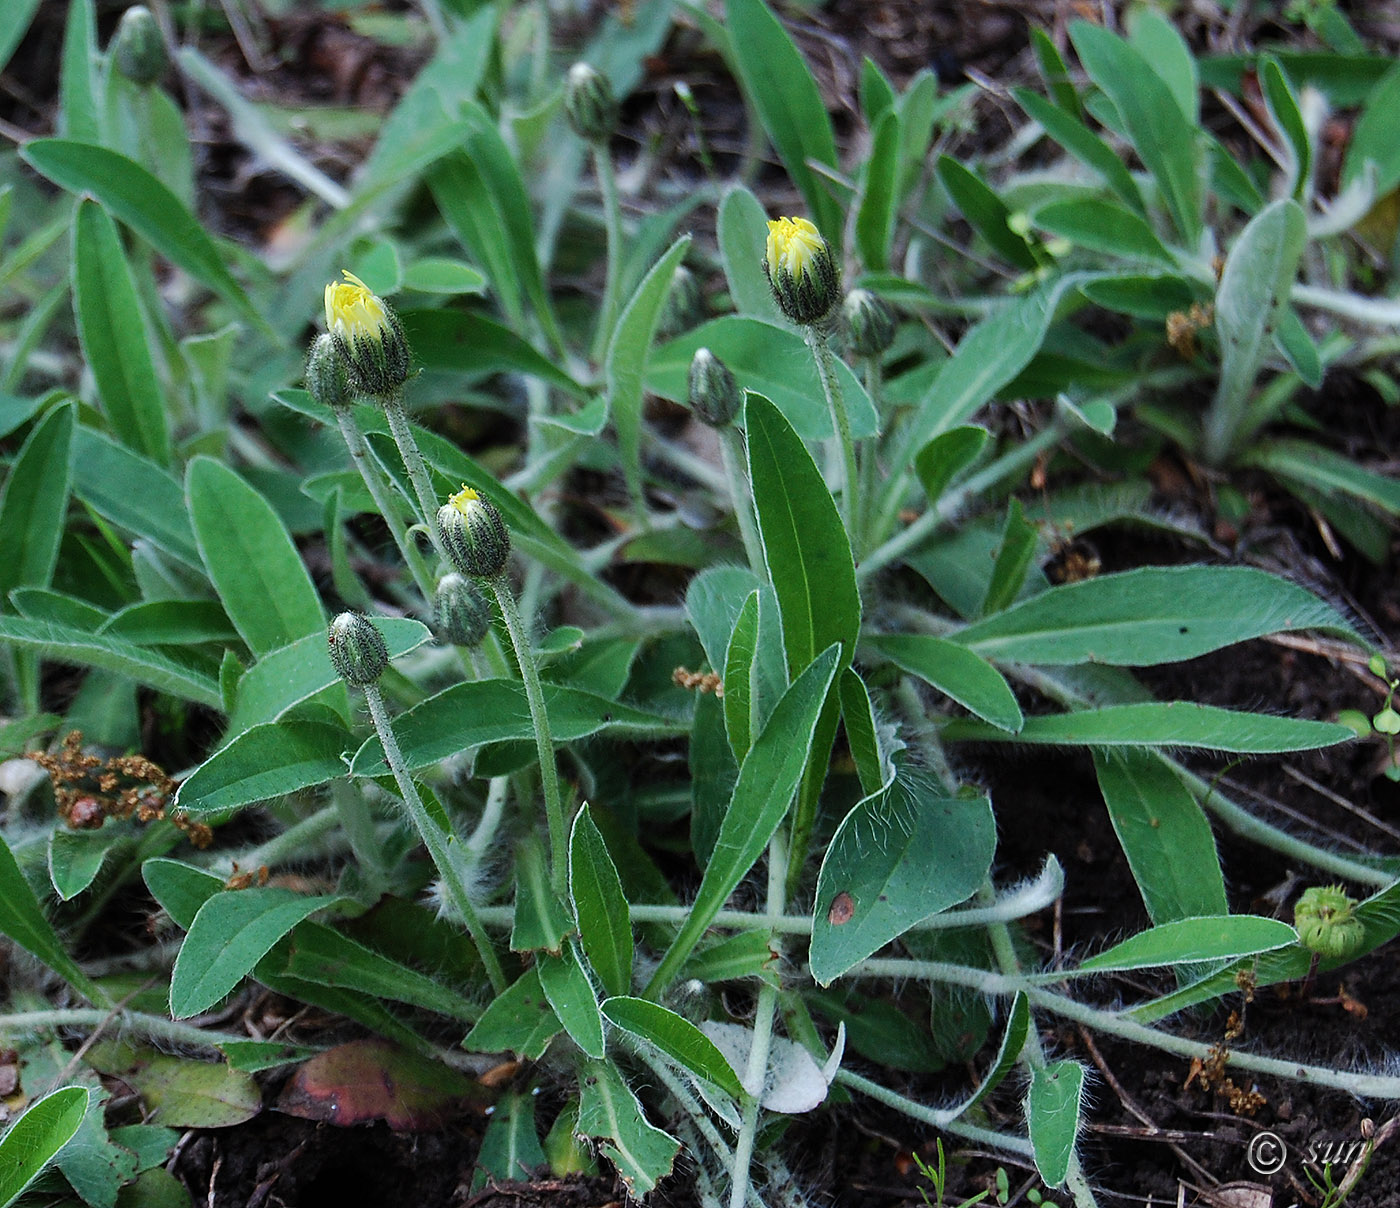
x: 714, y: 394
x: 869, y: 323
x: 684, y: 306
x: 326, y: 379
x: 139, y: 47
x: 801, y: 271
x: 368, y: 336
x: 473, y: 534
x: 1325, y: 918
x: 589, y: 104
x: 357, y: 649
x: 461, y: 613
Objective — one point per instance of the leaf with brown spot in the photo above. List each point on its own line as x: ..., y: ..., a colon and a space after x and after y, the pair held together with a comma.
x: 368, y: 1080
x: 843, y: 909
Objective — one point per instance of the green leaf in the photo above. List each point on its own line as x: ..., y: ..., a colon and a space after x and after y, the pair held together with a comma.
x: 34, y: 1140
x: 232, y: 932
x: 180, y: 888
x: 767, y: 781
x: 1187, y: 941
x: 607, y: 1110
x: 113, y: 335
x: 35, y: 502
x: 1013, y: 1040
x: 946, y: 456
x: 465, y: 342
x: 138, y: 199
x: 76, y: 857
x: 1165, y: 723
x: 1081, y: 142
x: 1329, y: 473
x: 149, y: 667
x: 170, y: 623
x: 251, y: 559
x: 770, y: 359
x: 804, y: 540
x: 879, y: 195
x: 868, y: 746
x: 22, y: 919
x: 443, y: 275
x: 481, y: 711
x: 628, y: 345
x: 570, y: 993
x: 775, y: 77
x: 1374, y: 138
x: 177, y: 1091
x: 1283, y: 107
x: 897, y: 858
x: 1163, y: 139
x: 510, y: 1150
x: 1164, y: 834
x: 1159, y: 43
x: 1254, y: 286
x: 713, y: 772
x: 78, y: 78
x: 986, y: 213
x: 320, y: 954
x: 743, y: 237
x: 519, y: 1020
x: 295, y: 673
x: 675, y: 1036
x: 1152, y: 615
x: 1102, y: 226
x: 1295, y: 342
x: 738, y: 678
x: 1143, y: 295
x: 541, y: 922
x: 135, y: 493
x: 971, y: 681
x: 1052, y: 1113
x: 1013, y: 561
x: 14, y: 21
x: 265, y: 762
x: 604, y: 927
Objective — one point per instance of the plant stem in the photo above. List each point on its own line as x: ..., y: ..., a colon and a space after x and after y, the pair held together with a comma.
x: 369, y: 475
x: 127, y: 1022
x: 612, y: 221
x: 358, y: 824
x: 836, y: 405
x: 417, y: 469
x: 941, y: 1119
x: 544, y: 744
x: 1364, y: 1086
x: 731, y: 449
x: 434, y: 839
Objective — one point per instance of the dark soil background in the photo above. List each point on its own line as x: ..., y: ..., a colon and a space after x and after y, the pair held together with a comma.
x: 1154, y: 1136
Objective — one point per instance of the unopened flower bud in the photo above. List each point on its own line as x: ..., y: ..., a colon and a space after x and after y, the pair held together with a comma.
x: 714, y: 394
x: 461, y: 613
x: 1325, y: 918
x: 683, y: 308
x: 368, y: 336
x: 357, y: 649
x: 801, y: 271
x: 869, y: 322
x: 326, y: 379
x: 589, y: 104
x: 138, y: 47
x: 473, y: 534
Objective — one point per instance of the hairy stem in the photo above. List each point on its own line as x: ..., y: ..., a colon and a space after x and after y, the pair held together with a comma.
x: 612, y: 220
x: 826, y: 370
x: 731, y: 446
x: 417, y: 469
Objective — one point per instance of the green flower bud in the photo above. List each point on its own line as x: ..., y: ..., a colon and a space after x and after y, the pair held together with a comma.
x: 368, y: 336
x: 326, y: 379
x: 714, y: 394
x: 683, y: 308
x: 801, y: 271
x: 869, y: 322
x: 1326, y: 922
x: 461, y: 613
x: 473, y: 534
x: 589, y: 104
x: 138, y: 47
x: 357, y: 649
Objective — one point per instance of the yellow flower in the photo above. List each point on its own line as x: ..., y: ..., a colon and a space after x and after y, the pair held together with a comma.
x: 473, y: 534
x: 463, y: 497
x: 802, y: 273
x: 354, y: 310
x: 367, y: 336
x: 794, y: 243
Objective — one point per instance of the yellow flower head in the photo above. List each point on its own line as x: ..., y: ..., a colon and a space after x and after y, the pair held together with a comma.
x: 794, y: 243
x: 801, y: 270
x: 463, y: 497
x: 473, y: 535
x: 353, y: 310
x: 367, y: 337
